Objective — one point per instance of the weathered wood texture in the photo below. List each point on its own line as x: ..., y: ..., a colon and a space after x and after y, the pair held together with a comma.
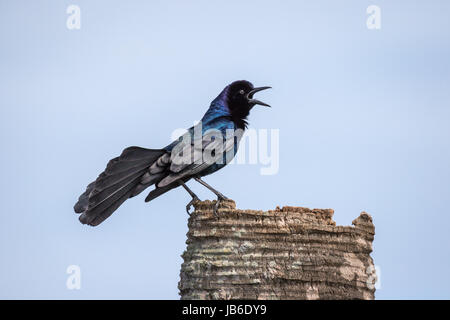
x: 287, y: 253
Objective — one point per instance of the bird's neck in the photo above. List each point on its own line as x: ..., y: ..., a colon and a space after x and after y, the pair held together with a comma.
x: 219, y: 108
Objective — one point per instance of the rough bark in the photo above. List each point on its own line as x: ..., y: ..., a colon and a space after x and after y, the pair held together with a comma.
x: 287, y: 253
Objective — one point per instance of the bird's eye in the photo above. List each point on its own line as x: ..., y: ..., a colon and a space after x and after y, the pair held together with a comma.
x: 242, y: 92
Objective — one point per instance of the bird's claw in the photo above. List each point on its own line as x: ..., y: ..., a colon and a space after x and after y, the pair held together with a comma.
x: 217, y: 204
x: 190, y: 204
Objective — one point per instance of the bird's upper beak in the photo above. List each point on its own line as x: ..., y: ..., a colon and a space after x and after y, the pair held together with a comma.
x: 255, y: 101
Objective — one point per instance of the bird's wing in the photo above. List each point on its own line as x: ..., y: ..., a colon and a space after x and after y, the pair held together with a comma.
x: 189, y: 158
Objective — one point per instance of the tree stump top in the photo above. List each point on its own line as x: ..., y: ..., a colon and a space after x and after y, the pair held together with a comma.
x: 286, y: 253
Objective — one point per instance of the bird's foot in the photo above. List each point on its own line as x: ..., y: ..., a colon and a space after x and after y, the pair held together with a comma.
x: 217, y: 204
x: 190, y: 204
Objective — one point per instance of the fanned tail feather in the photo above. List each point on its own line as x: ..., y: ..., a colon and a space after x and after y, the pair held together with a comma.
x: 116, y: 184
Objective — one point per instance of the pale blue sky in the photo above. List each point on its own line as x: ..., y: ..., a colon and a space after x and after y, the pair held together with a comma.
x: 363, y: 118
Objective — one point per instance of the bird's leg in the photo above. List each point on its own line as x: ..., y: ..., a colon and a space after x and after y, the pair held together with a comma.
x: 217, y: 193
x: 192, y: 194
x: 220, y: 196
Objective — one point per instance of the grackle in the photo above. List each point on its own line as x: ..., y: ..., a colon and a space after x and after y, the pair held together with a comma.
x: 202, y: 150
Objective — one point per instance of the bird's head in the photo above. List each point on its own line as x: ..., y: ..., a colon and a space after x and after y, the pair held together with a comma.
x: 239, y: 99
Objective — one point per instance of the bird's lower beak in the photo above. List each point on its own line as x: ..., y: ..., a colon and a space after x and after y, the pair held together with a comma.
x: 255, y: 101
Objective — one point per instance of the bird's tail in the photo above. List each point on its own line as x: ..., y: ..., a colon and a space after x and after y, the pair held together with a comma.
x: 119, y: 181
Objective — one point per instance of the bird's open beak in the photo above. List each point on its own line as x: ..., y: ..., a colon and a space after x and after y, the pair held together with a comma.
x: 255, y: 101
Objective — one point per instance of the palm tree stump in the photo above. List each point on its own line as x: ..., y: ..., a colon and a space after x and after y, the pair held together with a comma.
x: 287, y: 253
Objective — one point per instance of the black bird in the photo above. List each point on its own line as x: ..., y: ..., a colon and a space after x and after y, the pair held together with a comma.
x: 204, y: 149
